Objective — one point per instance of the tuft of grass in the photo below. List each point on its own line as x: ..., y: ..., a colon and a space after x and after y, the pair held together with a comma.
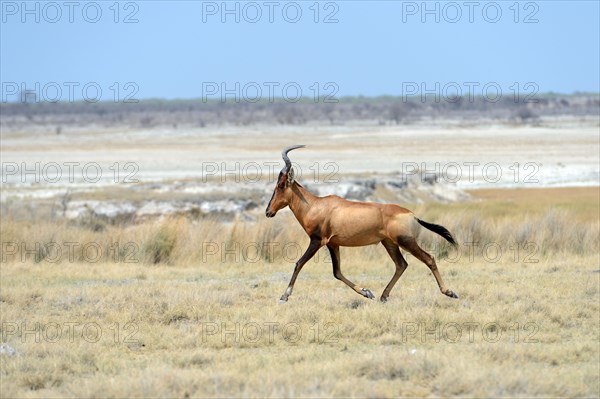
x: 161, y: 244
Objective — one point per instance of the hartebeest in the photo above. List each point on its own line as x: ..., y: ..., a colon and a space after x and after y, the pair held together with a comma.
x: 336, y: 222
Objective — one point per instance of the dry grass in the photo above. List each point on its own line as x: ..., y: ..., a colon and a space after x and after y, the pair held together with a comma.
x: 543, y: 316
x: 194, y: 324
x: 520, y: 224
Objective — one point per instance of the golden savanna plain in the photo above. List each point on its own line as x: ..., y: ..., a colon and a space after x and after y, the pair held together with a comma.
x: 191, y: 308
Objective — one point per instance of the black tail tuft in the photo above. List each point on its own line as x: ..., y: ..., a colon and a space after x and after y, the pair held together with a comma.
x: 441, y: 230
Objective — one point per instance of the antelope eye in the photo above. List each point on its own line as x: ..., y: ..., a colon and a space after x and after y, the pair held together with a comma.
x: 281, y: 185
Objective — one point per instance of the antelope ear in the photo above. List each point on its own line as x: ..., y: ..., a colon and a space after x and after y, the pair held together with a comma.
x: 290, y: 177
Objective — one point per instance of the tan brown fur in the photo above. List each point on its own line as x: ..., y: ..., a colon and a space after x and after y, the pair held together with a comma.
x: 334, y: 222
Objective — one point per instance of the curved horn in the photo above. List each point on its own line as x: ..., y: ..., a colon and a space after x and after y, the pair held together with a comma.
x: 286, y: 159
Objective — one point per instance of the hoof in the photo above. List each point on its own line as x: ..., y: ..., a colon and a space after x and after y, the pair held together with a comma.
x: 367, y: 293
x: 383, y: 299
x: 451, y: 294
x: 282, y: 300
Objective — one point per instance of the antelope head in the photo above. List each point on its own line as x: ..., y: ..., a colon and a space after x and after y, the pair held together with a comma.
x: 282, y: 192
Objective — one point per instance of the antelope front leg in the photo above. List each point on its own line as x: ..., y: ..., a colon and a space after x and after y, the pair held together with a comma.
x: 313, y: 247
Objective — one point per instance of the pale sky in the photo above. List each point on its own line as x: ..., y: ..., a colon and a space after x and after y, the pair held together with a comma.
x: 171, y: 49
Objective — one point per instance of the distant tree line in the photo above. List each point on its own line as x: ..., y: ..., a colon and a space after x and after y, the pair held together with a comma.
x: 373, y: 110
